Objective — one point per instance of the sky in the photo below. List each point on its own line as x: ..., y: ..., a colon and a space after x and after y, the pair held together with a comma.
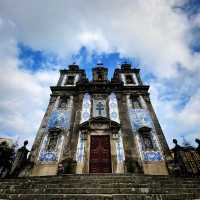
x: 161, y: 37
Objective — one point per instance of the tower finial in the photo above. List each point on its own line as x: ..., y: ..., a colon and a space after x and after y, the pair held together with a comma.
x: 126, y: 61
x: 99, y: 62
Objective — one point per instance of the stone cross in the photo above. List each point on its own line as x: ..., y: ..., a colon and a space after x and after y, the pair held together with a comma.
x: 100, y: 107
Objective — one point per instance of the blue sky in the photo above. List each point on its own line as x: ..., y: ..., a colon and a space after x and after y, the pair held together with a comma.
x: 162, y: 38
x: 34, y: 59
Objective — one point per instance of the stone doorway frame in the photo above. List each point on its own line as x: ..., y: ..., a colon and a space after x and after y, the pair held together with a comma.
x: 100, y: 126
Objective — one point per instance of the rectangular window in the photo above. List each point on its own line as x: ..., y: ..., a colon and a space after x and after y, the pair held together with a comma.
x: 136, y: 104
x: 146, y: 138
x: 70, y: 80
x: 52, y: 142
x: 147, y: 142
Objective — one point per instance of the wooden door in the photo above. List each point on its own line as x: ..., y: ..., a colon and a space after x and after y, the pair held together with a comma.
x: 100, y: 156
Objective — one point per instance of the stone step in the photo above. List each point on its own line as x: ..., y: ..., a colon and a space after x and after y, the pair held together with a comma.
x: 183, y: 196
x: 94, y: 177
x: 100, y: 187
x: 95, y: 185
x: 71, y: 179
x: 144, y: 190
x: 98, y: 184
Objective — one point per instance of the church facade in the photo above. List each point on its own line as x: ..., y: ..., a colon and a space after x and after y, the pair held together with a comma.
x: 101, y: 126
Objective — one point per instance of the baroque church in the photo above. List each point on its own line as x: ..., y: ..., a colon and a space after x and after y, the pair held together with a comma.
x: 100, y: 125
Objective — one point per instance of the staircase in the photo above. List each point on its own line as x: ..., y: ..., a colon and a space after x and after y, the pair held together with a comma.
x: 100, y: 187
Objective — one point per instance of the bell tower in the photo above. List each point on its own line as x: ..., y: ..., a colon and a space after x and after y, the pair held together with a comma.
x: 100, y: 73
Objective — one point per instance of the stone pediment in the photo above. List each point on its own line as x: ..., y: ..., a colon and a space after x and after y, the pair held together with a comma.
x: 100, y: 123
x: 144, y: 129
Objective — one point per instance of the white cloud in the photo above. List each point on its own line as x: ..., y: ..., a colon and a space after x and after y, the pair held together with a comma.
x: 190, y: 115
x: 24, y: 95
x: 176, y: 122
x: 24, y: 100
x: 152, y: 31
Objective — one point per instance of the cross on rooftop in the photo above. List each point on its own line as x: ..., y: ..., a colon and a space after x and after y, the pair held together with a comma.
x: 99, y: 62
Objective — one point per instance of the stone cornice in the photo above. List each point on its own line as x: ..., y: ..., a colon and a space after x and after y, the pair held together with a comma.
x: 100, y: 87
x: 67, y: 71
x: 131, y: 70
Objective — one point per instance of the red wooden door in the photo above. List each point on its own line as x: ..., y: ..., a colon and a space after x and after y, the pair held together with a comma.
x: 100, y: 157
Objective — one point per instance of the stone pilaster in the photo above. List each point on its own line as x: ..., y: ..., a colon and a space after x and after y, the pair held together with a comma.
x: 157, y: 126
x: 74, y: 128
x: 42, y: 130
x: 129, y: 143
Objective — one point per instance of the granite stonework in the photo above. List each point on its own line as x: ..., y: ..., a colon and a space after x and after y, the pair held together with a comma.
x: 119, y: 108
x: 100, y: 187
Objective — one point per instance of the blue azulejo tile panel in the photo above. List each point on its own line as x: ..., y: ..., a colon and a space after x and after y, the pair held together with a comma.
x: 48, y: 156
x: 86, y: 107
x: 86, y: 116
x: 113, y: 115
x: 120, y: 150
x: 113, y: 108
x: 152, y: 156
x: 139, y: 118
x: 142, y: 118
x: 80, y: 149
x: 59, y: 119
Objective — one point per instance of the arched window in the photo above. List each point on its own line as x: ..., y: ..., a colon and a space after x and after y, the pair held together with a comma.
x: 100, y: 77
x: 146, y: 139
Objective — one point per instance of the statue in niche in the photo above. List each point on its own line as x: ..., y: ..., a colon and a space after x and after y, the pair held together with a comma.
x: 20, y: 160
